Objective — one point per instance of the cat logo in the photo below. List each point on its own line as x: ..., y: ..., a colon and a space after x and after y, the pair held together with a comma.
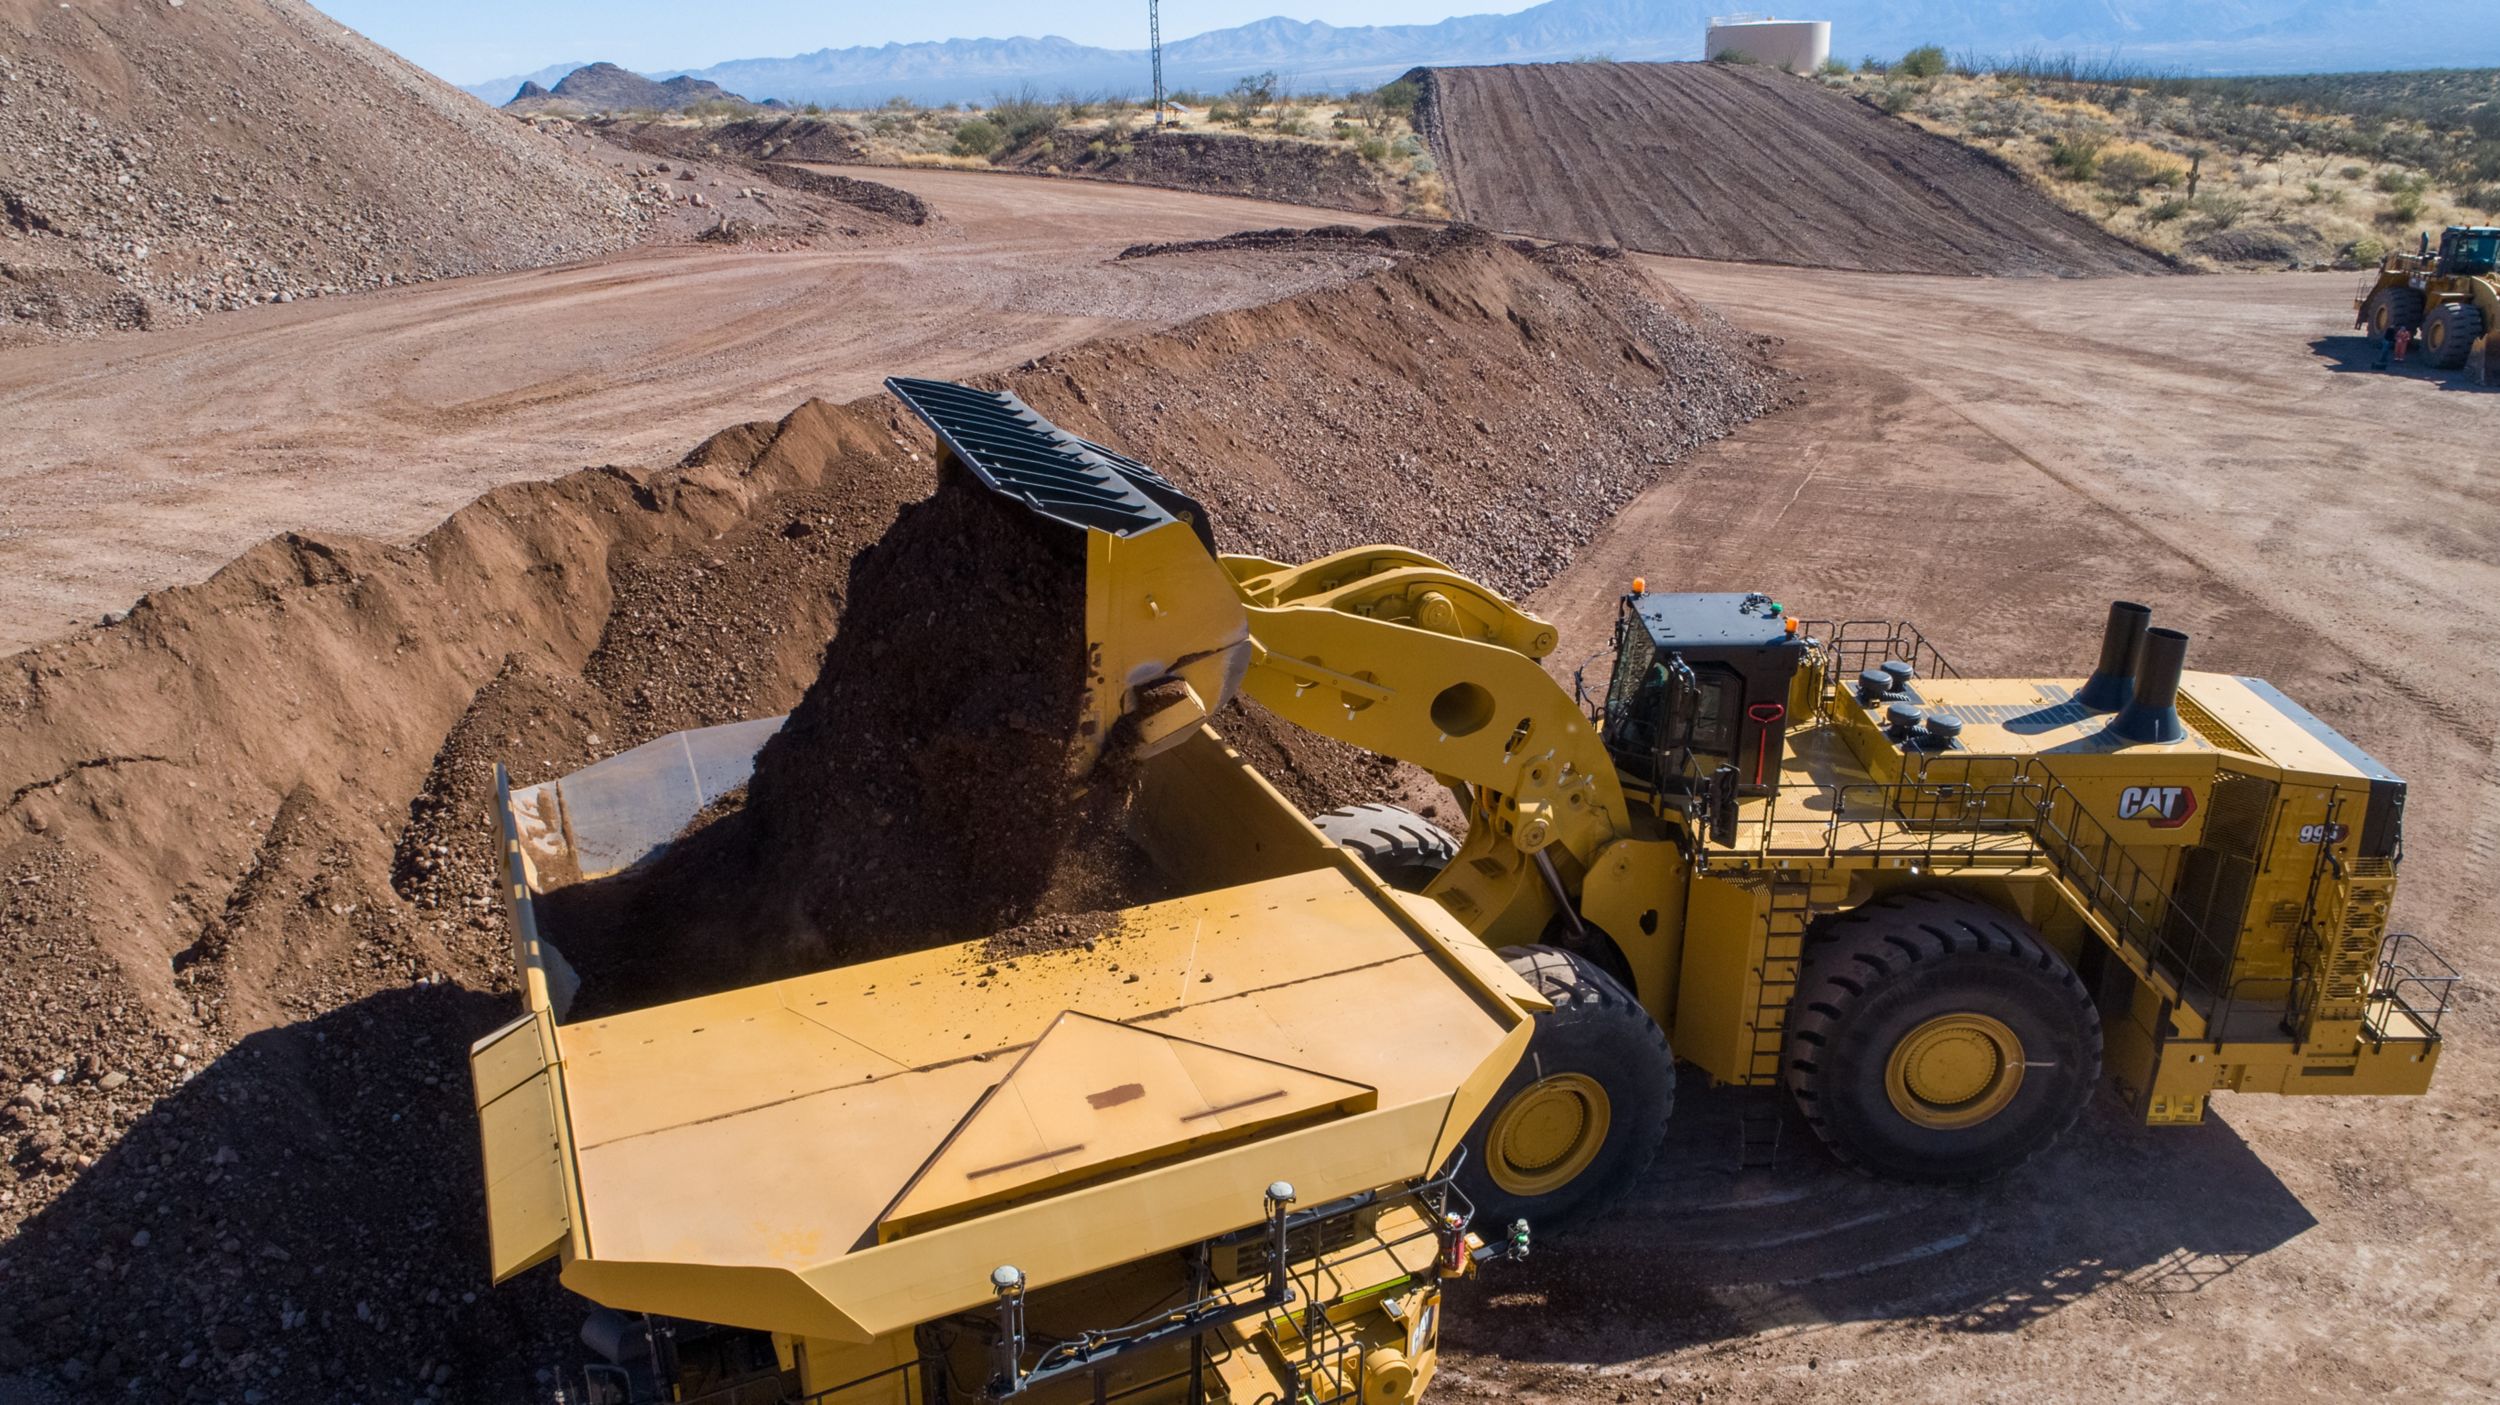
x: 2159, y: 806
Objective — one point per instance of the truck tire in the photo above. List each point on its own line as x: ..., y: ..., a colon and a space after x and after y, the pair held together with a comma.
x: 2449, y: 338
x: 1937, y: 1039
x: 2392, y: 308
x: 1405, y: 849
x: 1584, y: 1113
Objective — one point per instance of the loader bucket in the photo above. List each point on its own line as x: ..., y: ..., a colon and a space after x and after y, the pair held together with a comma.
x: 1167, y: 634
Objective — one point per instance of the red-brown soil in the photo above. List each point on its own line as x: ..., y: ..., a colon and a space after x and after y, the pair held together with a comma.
x: 1221, y: 163
x: 240, y: 874
x: 158, y: 161
x: 1720, y: 161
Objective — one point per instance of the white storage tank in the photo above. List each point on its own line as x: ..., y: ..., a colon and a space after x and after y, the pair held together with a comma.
x: 1800, y: 46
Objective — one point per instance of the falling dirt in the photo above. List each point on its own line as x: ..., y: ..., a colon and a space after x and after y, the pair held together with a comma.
x: 246, y: 873
x: 936, y: 783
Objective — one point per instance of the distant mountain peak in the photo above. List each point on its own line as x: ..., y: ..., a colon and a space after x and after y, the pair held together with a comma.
x: 2216, y: 36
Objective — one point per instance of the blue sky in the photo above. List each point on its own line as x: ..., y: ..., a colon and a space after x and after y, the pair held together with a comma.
x: 469, y: 41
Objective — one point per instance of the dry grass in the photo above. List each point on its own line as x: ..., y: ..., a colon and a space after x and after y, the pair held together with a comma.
x: 2178, y: 170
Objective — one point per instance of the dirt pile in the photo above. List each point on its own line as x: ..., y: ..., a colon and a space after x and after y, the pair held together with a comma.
x: 1295, y: 172
x: 754, y: 138
x: 244, y: 886
x: 1720, y: 161
x: 158, y: 161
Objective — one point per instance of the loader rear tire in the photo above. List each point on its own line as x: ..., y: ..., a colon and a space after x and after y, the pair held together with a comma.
x: 1584, y: 1113
x: 2392, y: 308
x: 2449, y: 338
x: 1405, y: 849
x: 1937, y: 1039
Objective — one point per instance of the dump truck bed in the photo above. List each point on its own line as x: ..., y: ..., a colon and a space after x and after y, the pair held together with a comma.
x: 844, y: 1154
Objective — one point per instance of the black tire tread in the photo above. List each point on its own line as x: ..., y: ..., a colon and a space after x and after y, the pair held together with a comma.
x: 2404, y: 308
x: 1894, y: 933
x: 1398, y: 843
x: 1580, y: 990
x: 2459, y: 323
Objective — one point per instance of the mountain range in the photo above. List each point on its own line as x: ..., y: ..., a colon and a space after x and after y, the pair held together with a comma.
x: 2213, y: 36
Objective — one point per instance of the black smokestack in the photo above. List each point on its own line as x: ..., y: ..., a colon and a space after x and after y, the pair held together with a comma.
x: 2113, y: 681
x: 2153, y: 714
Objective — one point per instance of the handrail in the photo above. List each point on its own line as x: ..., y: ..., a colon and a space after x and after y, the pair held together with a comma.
x: 1854, y: 646
x: 2407, y: 963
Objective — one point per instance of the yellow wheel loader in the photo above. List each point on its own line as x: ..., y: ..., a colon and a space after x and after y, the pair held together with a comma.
x: 1939, y: 910
x: 2449, y: 300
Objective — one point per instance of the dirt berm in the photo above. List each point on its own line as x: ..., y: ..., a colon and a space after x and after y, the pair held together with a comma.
x: 248, y: 922
x: 1722, y: 161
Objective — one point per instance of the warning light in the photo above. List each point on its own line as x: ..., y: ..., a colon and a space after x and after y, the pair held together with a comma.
x: 1640, y: 585
x: 1792, y: 624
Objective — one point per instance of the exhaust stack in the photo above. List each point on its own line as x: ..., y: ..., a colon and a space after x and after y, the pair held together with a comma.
x: 2113, y: 681
x: 2153, y: 714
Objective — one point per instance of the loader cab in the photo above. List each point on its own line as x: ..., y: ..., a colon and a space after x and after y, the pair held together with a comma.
x: 1700, y: 691
x: 2468, y: 252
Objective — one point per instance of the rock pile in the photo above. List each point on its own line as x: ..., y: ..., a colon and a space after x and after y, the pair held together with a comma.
x: 160, y: 161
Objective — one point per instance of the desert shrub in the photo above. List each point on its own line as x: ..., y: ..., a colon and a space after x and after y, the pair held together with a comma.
x: 1293, y: 124
x: 1374, y: 150
x: 811, y: 110
x: 2218, y: 211
x: 1254, y: 93
x: 977, y: 137
x: 1925, y: 61
x: 1733, y: 57
x: 1024, y: 117
x: 1408, y: 145
x: 1344, y: 131
x: 1225, y: 112
x: 1423, y: 166
x: 1895, y: 99
x: 1397, y: 99
x: 2132, y: 172
x: 1833, y: 68
x: 2397, y: 182
x: 899, y: 103
x: 2368, y: 249
x: 2403, y: 208
x: 2483, y: 198
x: 2168, y: 210
x: 1872, y: 64
x: 2076, y: 157
x: 2354, y: 173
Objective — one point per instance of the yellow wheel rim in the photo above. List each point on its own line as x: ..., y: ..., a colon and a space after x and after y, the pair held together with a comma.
x: 1548, y: 1134
x: 1954, y: 1071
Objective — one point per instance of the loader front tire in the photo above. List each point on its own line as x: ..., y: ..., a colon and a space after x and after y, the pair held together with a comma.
x: 2392, y: 308
x: 1937, y: 1039
x: 2449, y: 338
x: 1584, y: 1113
x: 1405, y: 849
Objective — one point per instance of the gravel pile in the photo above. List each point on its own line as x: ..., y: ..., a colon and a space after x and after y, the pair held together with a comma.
x: 158, y: 161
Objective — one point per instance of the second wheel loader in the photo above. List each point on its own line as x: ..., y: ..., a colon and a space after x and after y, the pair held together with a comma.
x: 2449, y: 299
x: 1939, y: 910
